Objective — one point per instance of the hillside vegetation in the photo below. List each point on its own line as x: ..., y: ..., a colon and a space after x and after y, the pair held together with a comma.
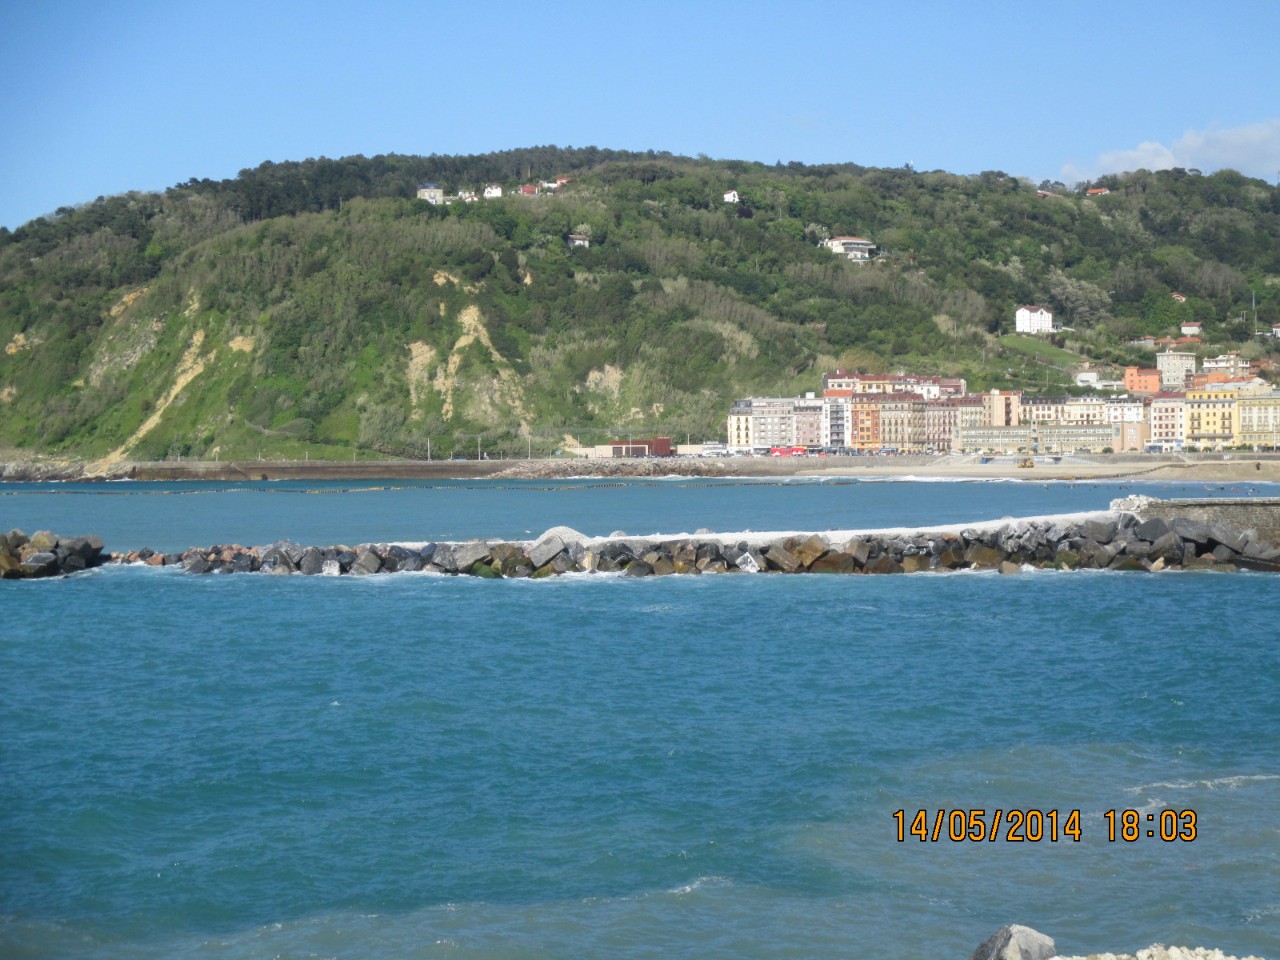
x: 318, y: 309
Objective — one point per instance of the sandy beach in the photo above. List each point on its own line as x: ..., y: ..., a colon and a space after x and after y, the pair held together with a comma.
x: 1208, y: 469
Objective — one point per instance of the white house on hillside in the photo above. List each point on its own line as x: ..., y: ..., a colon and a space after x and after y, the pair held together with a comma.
x: 492, y: 191
x: 731, y: 196
x: 430, y: 192
x: 855, y: 248
x: 1031, y: 319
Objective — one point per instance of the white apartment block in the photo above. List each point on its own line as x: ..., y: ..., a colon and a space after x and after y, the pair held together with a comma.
x: 1125, y: 410
x: 931, y: 388
x: 762, y: 422
x: 1175, y: 366
x: 1168, y: 421
x: 1228, y: 364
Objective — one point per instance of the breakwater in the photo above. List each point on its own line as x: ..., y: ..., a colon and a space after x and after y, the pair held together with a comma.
x: 1134, y: 535
x: 45, y: 554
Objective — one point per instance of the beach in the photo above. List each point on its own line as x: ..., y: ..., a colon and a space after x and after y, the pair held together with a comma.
x: 1237, y: 467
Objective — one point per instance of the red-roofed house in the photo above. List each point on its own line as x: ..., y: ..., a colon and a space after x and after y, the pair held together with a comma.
x: 1191, y: 328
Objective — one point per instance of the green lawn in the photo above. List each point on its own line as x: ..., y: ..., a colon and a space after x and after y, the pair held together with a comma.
x: 1038, y: 348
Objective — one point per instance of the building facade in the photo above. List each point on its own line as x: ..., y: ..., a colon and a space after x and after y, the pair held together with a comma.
x: 1175, y: 366
x: 1211, y: 418
x: 1032, y: 319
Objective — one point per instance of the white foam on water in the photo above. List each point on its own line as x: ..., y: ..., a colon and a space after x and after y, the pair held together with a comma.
x: 1218, y: 783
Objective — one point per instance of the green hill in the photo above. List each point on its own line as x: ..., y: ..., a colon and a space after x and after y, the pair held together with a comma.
x: 317, y: 308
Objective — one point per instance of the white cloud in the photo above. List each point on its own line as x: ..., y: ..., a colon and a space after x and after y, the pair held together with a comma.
x: 1254, y: 150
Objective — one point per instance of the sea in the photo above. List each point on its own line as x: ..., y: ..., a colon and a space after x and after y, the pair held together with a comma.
x: 592, y: 766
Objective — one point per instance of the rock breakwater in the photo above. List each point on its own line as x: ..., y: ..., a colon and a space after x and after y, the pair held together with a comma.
x: 1113, y: 540
x: 45, y: 554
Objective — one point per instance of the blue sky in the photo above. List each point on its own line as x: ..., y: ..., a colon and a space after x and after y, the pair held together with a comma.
x: 100, y: 98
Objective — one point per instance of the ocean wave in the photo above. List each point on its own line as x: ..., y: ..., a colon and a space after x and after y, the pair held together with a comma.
x: 1218, y: 783
x: 699, y: 884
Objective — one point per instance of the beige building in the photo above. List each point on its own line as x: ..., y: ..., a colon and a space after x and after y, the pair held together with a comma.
x: 945, y: 416
x: 1044, y: 437
x: 1002, y: 408
x: 808, y: 422
x: 1259, y: 417
x: 902, y: 422
x: 1064, y: 409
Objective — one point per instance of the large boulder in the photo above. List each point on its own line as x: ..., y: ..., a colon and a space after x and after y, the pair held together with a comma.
x: 366, y: 562
x: 465, y: 555
x: 548, y: 546
x: 1016, y: 942
x: 779, y: 557
x: 42, y: 563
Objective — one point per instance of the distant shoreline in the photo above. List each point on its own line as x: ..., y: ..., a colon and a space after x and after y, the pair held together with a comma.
x: 1238, y: 468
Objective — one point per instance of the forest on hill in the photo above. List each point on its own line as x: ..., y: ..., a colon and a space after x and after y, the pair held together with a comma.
x: 316, y: 308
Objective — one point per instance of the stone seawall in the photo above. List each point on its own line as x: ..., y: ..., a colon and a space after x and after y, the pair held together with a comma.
x: 1262, y: 515
x: 1110, y: 540
x: 1133, y: 535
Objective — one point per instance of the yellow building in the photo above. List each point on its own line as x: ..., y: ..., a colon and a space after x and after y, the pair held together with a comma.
x: 1211, y: 418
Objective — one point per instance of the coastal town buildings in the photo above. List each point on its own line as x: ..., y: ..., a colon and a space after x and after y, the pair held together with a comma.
x: 887, y: 414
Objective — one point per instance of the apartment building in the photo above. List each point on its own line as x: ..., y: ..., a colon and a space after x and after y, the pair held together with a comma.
x: 1002, y: 408
x: 931, y: 388
x: 762, y: 422
x: 1259, y: 420
x: 901, y: 422
x: 1175, y: 366
x: 1211, y: 418
x: 945, y: 416
x: 1142, y: 380
x: 1167, y: 417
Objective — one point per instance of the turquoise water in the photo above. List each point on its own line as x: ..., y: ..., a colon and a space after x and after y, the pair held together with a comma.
x: 176, y: 516
x: 419, y: 766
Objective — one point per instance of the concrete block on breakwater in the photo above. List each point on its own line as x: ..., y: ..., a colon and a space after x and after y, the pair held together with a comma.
x: 1128, y: 537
